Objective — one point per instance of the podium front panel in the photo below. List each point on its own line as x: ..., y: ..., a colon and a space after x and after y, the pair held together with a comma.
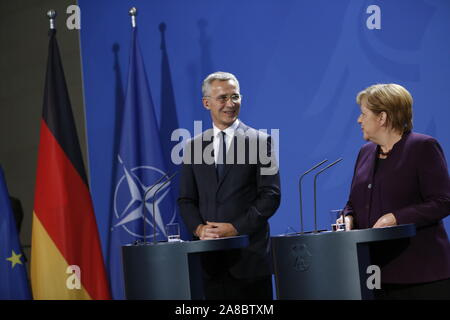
x: 170, y: 270
x: 328, y: 265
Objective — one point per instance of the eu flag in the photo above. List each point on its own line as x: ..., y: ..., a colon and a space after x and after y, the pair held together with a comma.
x: 13, y: 275
x: 139, y: 164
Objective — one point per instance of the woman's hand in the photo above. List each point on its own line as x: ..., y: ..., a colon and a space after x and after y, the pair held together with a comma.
x: 348, y: 222
x: 386, y: 220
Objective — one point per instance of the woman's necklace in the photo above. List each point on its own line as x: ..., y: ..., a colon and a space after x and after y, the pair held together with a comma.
x: 384, y: 154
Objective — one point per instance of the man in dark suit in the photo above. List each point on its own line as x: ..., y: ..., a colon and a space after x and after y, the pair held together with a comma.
x: 230, y: 186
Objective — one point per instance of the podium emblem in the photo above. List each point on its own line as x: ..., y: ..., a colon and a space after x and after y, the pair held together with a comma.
x: 301, y: 257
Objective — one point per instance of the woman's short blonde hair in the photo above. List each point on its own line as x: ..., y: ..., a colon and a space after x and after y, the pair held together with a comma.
x: 393, y: 99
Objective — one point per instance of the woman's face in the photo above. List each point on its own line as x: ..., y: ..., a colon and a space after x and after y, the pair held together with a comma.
x: 369, y: 121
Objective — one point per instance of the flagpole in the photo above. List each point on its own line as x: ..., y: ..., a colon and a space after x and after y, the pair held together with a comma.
x: 51, y: 14
x: 133, y: 14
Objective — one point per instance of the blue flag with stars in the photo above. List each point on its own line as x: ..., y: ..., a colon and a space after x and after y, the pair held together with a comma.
x: 142, y: 205
x: 13, y: 275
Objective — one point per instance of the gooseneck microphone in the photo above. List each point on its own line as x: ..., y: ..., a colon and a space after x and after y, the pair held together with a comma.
x: 154, y: 200
x: 300, y: 191
x: 315, y: 202
x: 143, y: 202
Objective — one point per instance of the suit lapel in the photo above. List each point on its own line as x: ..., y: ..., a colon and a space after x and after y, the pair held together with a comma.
x: 371, y: 160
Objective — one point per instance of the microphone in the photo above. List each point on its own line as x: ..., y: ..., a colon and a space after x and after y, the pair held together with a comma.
x: 154, y: 199
x: 143, y: 203
x: 300, y: 191
x: 315, y: 202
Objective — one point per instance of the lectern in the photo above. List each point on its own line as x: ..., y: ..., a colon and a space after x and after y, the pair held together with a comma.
x: 170, y: 270
x: 328, y: 265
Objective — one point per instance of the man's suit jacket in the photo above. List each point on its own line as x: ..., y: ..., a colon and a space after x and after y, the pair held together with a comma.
x: 243, y: 197
x: 413, y: 184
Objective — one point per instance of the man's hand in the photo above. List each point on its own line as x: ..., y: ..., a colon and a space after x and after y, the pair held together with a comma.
x: 386, y: 220
x: 215, y: 230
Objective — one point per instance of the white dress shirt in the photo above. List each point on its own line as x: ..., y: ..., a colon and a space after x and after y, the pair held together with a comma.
x: 229, y: 135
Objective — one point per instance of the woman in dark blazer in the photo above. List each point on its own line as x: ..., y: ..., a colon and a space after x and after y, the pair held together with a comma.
x: 401, y: 177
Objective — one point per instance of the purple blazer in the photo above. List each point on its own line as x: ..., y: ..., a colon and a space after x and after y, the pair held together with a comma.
x: 413, y: 183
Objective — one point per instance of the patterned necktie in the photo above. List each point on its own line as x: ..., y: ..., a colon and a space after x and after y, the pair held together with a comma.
x: 221, y: 159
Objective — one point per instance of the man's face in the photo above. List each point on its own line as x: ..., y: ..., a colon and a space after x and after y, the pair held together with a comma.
x: 224, y: 109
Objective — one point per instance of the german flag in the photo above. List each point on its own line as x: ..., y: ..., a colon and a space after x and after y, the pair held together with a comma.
x: 66, y: 256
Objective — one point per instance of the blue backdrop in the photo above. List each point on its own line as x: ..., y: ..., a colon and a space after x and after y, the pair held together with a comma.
x: 300, y: 66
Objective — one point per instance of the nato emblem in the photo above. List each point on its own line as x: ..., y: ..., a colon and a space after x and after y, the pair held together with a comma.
x: 130, y: 207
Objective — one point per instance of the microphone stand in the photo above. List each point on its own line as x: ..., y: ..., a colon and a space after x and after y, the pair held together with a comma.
x: 315, y: 202
x: 300, y: 191
x: 154, y: 199
x: 143, y: 203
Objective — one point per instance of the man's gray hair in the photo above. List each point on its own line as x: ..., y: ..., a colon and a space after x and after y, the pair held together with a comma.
x: 219, y: 75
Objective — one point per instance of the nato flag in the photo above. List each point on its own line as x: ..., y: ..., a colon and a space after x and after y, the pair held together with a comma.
x: 139, y: 164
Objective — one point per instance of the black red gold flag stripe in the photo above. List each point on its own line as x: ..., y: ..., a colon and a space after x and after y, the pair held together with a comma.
x: 64, y: 233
